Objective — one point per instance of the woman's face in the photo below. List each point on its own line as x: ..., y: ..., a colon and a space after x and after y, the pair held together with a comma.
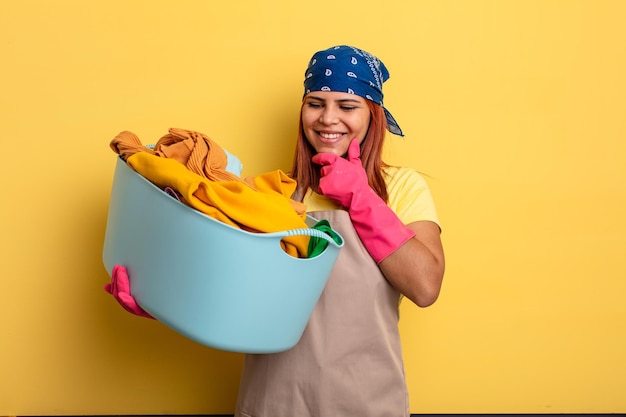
x: 332, y: 119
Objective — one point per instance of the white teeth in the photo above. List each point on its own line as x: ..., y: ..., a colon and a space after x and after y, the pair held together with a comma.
x: 330, y: 135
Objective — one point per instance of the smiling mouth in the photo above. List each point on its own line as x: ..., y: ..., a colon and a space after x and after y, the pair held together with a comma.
x: 330, y: 135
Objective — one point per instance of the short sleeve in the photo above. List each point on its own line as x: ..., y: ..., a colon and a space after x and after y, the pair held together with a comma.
x: 409, y: 195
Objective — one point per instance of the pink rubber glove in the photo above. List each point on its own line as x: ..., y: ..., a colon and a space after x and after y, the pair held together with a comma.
x: 120, y: 289
x: 345, y: 181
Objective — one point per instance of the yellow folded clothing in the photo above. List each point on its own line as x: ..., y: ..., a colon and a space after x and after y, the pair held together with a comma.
x: 259, y: 204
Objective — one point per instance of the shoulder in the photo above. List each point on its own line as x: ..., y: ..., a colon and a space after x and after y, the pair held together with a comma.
x: 409, y: 195
x: 400, y: 177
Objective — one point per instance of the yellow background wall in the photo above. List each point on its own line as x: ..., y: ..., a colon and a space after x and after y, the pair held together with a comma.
x: 515, y: 109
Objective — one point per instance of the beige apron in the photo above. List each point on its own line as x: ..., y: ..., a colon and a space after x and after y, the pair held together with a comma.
x: 348, y: 362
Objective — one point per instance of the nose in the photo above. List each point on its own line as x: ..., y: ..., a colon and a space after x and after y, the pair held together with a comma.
x: 329, y: 115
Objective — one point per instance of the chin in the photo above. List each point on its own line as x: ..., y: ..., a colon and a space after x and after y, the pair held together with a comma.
x: 336, y: 151
x: 338, y: 148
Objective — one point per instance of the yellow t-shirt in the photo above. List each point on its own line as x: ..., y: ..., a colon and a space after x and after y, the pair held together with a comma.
x: 409, y: 197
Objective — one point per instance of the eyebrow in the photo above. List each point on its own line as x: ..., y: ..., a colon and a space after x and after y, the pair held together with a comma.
x: 343, y: 100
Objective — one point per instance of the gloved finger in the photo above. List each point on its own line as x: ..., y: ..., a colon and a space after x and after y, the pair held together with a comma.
x: 111, y: 287
x: 354, y: 151
x: 324, y: 158
x: 326, y: 170
x: 120, y: 279
x: 128, y: 302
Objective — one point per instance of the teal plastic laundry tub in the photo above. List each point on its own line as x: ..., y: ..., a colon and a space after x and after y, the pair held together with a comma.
x: 215, y: 284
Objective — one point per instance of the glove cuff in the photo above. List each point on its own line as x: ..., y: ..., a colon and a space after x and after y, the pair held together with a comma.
x: 379, y: 228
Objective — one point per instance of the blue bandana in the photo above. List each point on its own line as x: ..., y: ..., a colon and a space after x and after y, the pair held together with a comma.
x: 350, y: 70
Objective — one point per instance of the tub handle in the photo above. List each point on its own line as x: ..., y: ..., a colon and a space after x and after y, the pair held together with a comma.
x: 309, y: 232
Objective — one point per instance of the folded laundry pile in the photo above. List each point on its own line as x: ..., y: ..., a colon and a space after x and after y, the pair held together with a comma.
x: 196, y: 168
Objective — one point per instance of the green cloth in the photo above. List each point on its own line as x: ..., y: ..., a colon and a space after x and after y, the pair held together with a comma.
x: 318, y: 244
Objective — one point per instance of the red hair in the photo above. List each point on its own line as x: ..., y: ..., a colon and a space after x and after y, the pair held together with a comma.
x: 307, y: 174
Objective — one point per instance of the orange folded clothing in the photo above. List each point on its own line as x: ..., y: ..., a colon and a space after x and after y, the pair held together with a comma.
x: 195, y: 150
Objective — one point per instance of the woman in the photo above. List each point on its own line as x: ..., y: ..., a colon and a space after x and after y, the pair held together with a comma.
x: 349, y: 360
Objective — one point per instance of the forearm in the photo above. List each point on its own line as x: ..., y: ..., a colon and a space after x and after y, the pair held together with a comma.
x: 411, y: 257
x: 416, y: 268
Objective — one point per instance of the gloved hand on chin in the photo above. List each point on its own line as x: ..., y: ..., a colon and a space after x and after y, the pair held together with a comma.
x: 345, y: 181
x: 120, y: 289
